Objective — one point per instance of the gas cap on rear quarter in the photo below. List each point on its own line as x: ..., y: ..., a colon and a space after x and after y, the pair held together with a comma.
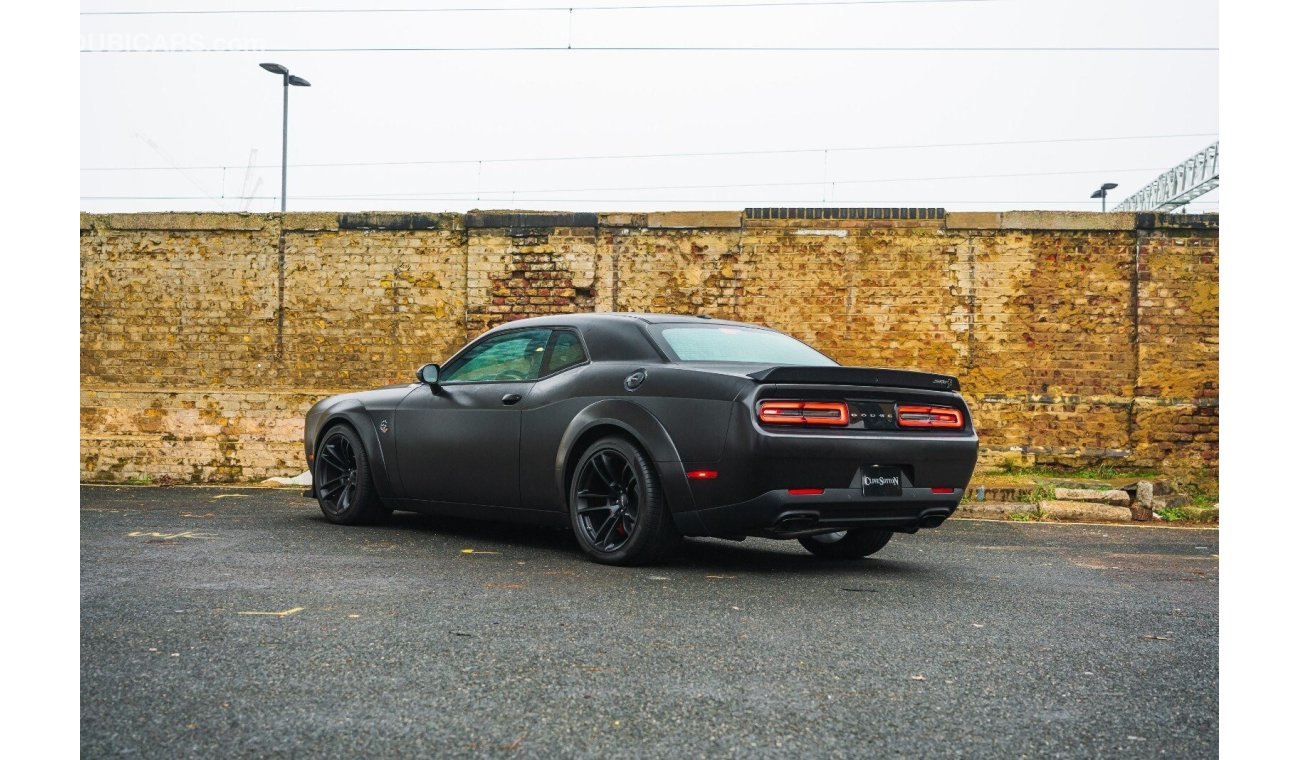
x: 634, y: 380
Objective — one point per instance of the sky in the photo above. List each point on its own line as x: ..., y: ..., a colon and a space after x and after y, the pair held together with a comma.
x: 543, y: 121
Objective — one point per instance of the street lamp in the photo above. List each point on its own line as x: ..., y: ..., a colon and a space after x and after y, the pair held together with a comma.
x: 1101, y: 193
x: 289, y: 79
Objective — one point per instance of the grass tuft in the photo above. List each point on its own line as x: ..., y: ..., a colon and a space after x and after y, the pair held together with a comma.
x: 1098, y: 472
x: 1041, y: 492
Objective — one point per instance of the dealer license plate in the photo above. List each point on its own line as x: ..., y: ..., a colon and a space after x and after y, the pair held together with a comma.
x: 882, y: 480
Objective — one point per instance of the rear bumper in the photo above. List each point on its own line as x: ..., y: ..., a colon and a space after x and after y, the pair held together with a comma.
x: 780, y: 514
x: 759, y: 460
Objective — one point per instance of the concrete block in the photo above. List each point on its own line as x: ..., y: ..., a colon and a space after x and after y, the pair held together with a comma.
x: 993, y: 510
x: 1083, y: 511
x: 1145, y: 494
x: 1113, y: 496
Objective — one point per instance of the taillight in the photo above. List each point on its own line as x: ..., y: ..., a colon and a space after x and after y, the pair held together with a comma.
x: 941, y: 417
x: 803, y: 412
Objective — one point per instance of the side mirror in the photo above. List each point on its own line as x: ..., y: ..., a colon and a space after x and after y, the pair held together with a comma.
x: 428, y: 374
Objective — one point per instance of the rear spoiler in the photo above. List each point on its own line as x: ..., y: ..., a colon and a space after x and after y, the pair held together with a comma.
x: 892, y: 378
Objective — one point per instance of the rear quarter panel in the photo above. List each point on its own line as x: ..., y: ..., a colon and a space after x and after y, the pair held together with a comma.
x: 676, y: 416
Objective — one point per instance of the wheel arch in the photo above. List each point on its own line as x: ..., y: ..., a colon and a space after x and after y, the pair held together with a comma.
x: 353, y: 414
x: 619, y: 417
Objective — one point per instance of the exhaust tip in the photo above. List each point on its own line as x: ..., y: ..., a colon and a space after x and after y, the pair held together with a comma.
x: 933, y: 518
x: 796, y: 521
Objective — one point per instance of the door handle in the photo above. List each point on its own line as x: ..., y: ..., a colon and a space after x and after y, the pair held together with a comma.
x: 511, y: 398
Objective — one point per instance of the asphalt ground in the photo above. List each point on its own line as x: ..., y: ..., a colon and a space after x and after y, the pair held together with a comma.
x: 433, y: 637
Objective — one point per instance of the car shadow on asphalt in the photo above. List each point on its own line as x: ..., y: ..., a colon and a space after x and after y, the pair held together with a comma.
x: 716, y: 555
x: 536, y: 537
x: 759, y: 556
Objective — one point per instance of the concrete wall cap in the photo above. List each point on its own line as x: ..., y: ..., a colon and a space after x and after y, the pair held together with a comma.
x: 693, y: 219
x: 189, y: 221
x: 1068, y: 220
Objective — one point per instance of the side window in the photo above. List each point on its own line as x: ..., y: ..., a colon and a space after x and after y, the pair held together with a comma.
x: 512, y: 356
x: 566, y: 351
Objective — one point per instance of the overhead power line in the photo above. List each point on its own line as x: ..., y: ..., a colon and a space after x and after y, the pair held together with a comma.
x: 802, y: 183
x: 925, y: 202
x: 524, y: 8
x: 660, y: 49
x: 695, y: 154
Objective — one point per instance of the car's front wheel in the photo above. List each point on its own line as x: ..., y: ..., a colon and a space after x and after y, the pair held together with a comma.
x: 342, y: 481
x: 617, y: 506
x: 847, y: 544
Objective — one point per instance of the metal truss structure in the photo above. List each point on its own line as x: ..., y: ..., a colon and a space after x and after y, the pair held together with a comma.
x: 1180, y: 185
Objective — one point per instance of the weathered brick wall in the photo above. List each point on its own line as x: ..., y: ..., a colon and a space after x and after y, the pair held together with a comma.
x: 1078, y: 337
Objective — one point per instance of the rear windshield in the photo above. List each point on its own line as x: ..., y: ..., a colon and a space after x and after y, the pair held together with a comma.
x: 728, y: 343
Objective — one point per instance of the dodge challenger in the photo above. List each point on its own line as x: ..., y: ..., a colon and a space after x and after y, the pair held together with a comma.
x: 635, y: 430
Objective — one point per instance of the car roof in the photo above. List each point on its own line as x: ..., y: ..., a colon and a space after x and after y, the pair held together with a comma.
x: 582, y: 319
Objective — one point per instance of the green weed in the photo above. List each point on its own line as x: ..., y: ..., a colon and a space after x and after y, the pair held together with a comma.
x: 1040, y: 492
x: 1172, y: 514
x: 1098, y: 472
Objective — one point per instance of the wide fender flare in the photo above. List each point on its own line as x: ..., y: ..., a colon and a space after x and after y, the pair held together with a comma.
x: 639, y: 425
x: 355, y: 414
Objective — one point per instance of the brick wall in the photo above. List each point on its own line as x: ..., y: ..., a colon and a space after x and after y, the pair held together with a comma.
x: 1079, y: 338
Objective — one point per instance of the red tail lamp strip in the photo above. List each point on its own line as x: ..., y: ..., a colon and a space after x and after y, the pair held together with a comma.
x: 702, y: 474
x: 807, y: 491
x: 834, y: 413
x: 941, y: 417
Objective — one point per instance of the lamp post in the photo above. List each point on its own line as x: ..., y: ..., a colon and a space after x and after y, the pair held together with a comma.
x: 289, y: 79
x: 1101, y: 193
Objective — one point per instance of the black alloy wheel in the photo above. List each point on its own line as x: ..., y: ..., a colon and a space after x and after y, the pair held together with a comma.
x: 616, y: 505
x: 609, y: 496
x: 342, y: 479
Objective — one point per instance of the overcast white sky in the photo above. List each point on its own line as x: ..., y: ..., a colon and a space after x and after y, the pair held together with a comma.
x: 151, y: 115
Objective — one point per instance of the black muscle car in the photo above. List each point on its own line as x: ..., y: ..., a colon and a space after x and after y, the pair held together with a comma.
x: 638, y: 429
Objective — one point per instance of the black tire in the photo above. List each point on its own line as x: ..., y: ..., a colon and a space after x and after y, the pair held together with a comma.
x: 341, y: 478
x: 847, y: 544
x: 617, y: 507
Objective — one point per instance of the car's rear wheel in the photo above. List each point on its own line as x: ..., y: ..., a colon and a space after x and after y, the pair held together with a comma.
x: 847, y: 544
x: 617, y: 507
x: 342, y: 480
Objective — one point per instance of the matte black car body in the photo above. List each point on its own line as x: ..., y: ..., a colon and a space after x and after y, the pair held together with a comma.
x: 508, y: 449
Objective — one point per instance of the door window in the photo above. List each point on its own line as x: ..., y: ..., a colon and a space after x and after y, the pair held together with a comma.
x: 511, y: 356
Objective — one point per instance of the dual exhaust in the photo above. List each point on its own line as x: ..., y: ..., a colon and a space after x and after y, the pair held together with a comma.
x: 795, y: 524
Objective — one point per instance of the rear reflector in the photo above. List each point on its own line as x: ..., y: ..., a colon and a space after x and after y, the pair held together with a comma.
x: 943, y: 490
x: 807, y: 491
x: 941, y: 417
x: 803, y: 412
x: 702, y: 474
